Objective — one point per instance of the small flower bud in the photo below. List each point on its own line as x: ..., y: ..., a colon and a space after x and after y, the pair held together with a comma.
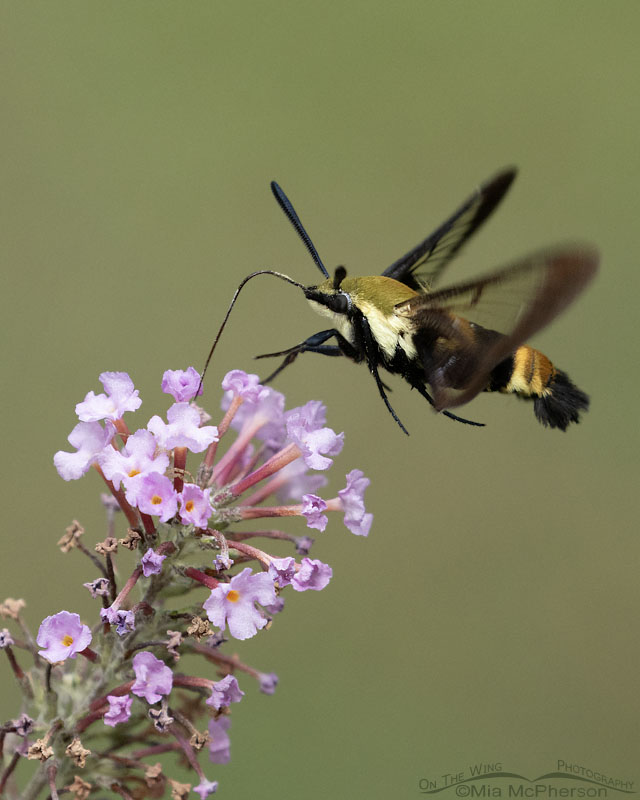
x: 160, y: 718
x: 10, y: 608
x: 6, y: 640
x: 23, y: 725
x: 199, y: 628
x: 179, y: 791
x: 40, y: 751
x: 71, y: 537
x: 198, y: 740
x: 173, y: 643
x: 99, y: 587
x: 153, y: 775
x: 77, y: 753
x: 110, y: 545
x: 79, y: 789
x: 132, y: 540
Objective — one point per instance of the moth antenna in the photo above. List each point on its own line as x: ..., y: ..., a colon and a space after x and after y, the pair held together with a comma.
x: 294, y: 219
x: 231, y: 305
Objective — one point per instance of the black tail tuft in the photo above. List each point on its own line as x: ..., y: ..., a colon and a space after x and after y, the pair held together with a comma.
x: 563, y: 405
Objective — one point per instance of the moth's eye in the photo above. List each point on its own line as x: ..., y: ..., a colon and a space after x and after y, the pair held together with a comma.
x: 339, y: 302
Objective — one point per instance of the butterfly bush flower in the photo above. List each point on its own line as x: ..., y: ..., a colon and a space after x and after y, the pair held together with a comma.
x: 205, y: 788
x: 62, y: 636
x: 219, y: 742
x: 196, y: 498
x: 139, y: 456
x: 153, y: 678
x: 90, y: 440
x: 225, y: 692
x: 181, y: 384
x: 183, y: 429
x: 236, y: 603
x: 151, y: 563
x: 312, y: 508
x: 195, y: 508
x: 154, y: 494
x: 120, y: 397
x: 352, y: 498
x: 119, y: 710
x: 313, y: 574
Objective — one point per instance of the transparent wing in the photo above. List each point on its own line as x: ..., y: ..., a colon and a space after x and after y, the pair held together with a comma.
x: 510, y: 305
x: 423, y: 265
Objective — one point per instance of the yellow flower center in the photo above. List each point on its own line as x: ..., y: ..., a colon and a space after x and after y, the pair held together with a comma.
x: 156, y: 500
x: 233, y: 596
x: 133, y: 472
x: 189, y: 505
x: 67, y: 640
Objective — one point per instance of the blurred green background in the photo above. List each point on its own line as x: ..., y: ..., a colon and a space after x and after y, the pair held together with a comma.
x: 492, y: 613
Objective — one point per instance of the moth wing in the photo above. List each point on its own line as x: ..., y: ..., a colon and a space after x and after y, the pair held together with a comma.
x: 510, y: 305
x: 422, y: 265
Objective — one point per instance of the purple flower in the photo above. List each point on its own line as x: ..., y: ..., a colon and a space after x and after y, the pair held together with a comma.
x: 313, y: 574
x: 242, y: 384
x: 282, y: 570
x: 268, y: 682
x: 221, y: 562
x: 153, y: 494
x: 119, y: 709
x: 123, y: 620
x: 311, y: 416
x: 312, y: 508
x: 137, y: 457
x: 109, y: 614
x: 316, y: 443
x: 352, y: 497
x: 262, y: 410
x: 90, y: 439
x: 295, y: 481
x: 303, y: 545
x: 275, y: 608
x: 62, y: 636
x: 195, y: 508
x: 6, y: 639
x: 151, y: 563
x: 225, y: 692
x: 23, y: 724
x: 205, y: 788
x: 120, y: 397
x: 183, y: 429
x: 153, y: 677
x: 234, y: 603
x: 182, y: 385
x: 219, y: 740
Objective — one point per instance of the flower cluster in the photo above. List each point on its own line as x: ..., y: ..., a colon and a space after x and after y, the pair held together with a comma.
x: 190, y: 532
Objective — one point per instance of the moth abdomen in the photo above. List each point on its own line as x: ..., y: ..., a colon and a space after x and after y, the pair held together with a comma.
x: 531, y: 375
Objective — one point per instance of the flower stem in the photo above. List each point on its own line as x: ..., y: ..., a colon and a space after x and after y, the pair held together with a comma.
x: 179, y: 465
x: 224, y: 466
x: 128, y: 511
x: 201, y: 577
x: 253, y: 552
x: 223, y: 427
x: 272, y: 465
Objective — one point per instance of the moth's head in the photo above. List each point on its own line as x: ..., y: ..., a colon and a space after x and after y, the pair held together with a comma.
x: 330, y: 293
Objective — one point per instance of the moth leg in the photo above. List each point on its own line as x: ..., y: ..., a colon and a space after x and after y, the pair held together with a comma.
x: 314, y: 344
x: 428, y: 397
x: 372, y: 362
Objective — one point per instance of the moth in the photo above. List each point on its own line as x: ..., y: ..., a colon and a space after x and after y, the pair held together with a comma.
x: 450, y: 343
